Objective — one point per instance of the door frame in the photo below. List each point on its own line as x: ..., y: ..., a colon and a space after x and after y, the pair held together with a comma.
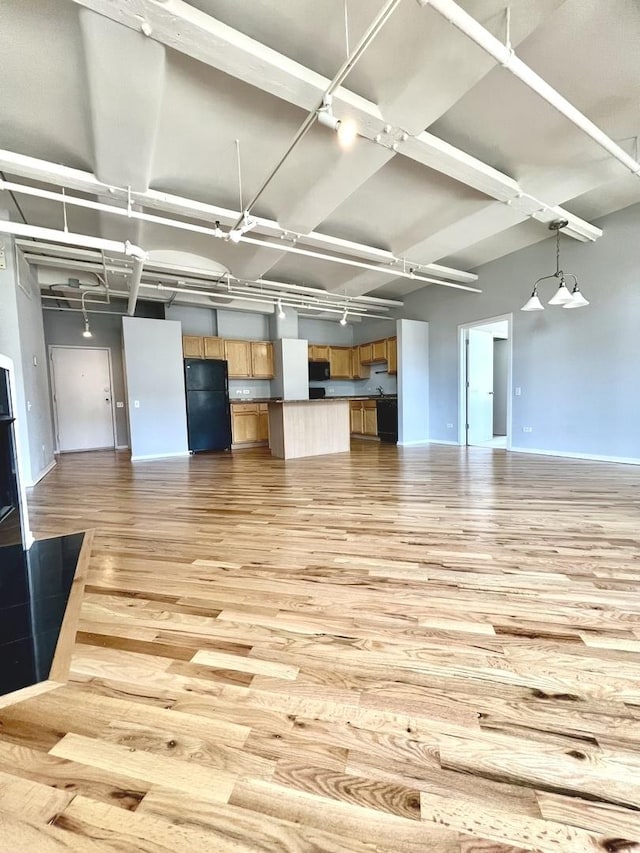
x: 54, y: 407
x: 462, y: 375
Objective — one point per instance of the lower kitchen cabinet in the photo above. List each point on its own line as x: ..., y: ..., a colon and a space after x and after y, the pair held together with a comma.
x: 249, y: 423
x: 364, y: 417
x: 370, y: 417
x: 357, y: 420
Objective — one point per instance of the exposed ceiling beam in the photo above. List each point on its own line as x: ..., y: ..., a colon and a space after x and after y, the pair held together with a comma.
x: 52, y: 173
x: 202, y: 37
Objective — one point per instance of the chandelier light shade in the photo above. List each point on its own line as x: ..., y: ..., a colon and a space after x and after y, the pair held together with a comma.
x: 533, y: 303
x: 577, y: 299
x: 563, y: 296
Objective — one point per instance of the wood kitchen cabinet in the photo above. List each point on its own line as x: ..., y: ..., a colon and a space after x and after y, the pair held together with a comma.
x: 192, y: 346
x: 263, y: 422
x: 379, y: 350
x: 238, y: 356
x: 356, y: 415
x: 340, y: 362
x: 365, y: 352
x: 262, y: 360
x: 364, y: 417
x: 358, y: 370
x: 318, y: 352
x: 213, y: 348
x: 370, y: 418
x: 249, y: 423
x: 392, y: 355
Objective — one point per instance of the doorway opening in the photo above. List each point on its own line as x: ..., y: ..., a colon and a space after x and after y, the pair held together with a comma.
x: 81, y: 385
x: 486, y: 349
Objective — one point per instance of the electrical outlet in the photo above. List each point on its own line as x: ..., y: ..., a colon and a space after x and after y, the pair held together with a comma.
x: 119, y: 405
x: 330, y: 390
x: 246, y: 392
x: 35, y: 361
x: 3, y: 260
x: 527, y: 429
x: 238, y: 391
x: 449, y: 426
x: 518, y: 390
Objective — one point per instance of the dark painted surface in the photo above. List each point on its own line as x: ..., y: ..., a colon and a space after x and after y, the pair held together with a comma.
x: 34, y: 589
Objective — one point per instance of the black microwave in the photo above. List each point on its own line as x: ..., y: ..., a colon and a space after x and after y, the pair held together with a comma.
x: 318, y: 371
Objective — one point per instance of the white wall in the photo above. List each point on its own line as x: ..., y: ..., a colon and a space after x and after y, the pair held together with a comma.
x: 292, y: 373
x: 155, y: 378
x: 577, y: 370
x: 413, y: 382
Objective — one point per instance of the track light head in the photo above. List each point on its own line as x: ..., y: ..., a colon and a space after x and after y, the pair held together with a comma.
x: 235, y: 235
x: 217, y: 231
x: 281, y: 313
x: 346, y: 129
x: 87, y: 330
x: 343, y: 319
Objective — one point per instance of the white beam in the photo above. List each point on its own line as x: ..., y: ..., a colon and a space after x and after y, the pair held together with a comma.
x: 200, y: 36
x: 52, y: 173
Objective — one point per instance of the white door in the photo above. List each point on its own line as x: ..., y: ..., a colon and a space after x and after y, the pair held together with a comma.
x: 479, y: 386
x: 82, y: 398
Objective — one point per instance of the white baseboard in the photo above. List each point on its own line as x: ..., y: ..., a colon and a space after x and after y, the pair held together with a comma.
x: 42, y: 474
x: 420, y: 443
x: 442, y: 441
x: 159, y: 456
x: 593, y: 457
x: 122, y: 446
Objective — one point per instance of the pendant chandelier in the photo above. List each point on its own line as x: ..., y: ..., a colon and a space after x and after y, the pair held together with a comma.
x: 563, y: 296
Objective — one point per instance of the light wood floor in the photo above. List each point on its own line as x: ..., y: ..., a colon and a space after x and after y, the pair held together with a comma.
x: 432, y: 650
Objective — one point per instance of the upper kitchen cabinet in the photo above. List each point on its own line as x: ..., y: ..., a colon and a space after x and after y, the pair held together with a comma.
x: 318, y: 352
x: 340, y: 362
x: 261, y: 360
x: 358, y: 370
x: 238, y: 356
x: 392, y: 355
x: 213, y: 348
x: 375, y: 351
x: 192, y: 346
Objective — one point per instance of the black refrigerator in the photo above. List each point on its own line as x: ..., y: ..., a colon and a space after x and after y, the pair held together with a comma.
x: 208, y: 410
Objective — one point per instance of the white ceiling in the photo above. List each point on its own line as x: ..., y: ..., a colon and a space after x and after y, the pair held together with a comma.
x: 98, y: 95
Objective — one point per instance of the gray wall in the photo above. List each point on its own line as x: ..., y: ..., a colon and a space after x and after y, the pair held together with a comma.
x: 195, y: 321
x: 325, y: 332
x: 413, y: 381
x: 64, y: 328
x: 154, y: 376
x: 500, y: 390
x: 22, y: 340
x: 373, y: 330
x: 577, y: 370
x: 243, y: 325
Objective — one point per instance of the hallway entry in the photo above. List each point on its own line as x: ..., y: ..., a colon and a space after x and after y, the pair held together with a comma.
x: 82, y: 398
x: 485, y: 368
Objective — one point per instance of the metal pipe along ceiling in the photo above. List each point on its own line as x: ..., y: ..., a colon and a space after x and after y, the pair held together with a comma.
x: 212, y: 232
x: 508, y: 59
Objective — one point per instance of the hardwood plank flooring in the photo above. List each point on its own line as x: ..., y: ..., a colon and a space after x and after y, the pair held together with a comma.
x: 420, y: 649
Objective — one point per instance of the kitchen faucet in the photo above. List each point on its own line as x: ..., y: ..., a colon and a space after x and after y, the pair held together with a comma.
x: 380, y: 390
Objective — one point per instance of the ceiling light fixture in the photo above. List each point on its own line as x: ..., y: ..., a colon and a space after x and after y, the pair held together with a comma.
x: 281, y: 313
x: 562, y: 296
x: 346, y: 129
x: 87, y: 330
x: 343, y: 319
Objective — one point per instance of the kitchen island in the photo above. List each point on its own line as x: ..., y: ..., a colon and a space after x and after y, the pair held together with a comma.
x: 308, y: 427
